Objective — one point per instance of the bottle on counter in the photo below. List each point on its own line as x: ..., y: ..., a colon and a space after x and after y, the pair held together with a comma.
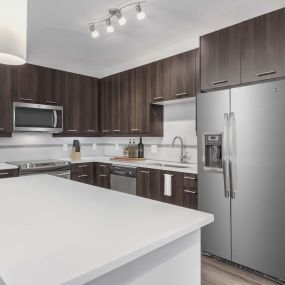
x: 135, y: 149
x: 140, y: 149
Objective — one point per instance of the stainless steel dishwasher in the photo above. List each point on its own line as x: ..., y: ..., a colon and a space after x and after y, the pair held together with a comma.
x: 124, y: 179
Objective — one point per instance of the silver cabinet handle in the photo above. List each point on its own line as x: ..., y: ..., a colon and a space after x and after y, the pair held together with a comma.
x: 145, y: 172
x: 225, y: 156
x: 116, y: 131
x: 91, y: 131
x: 50, y: 102
x: 266, y: 73
x: 191, y: 178
x: 4, y: 173
x: 181, y: 94
x: 81, y: 176
x: 158, y: 98
x: 231, y: 156
x: 105, y: 131
x: 2, y: 129
x: 72, y: 131
x: 103, y: 175
x: 135, y: 130
x: 102, y: 165
x: 82, y: 166
x: 191, y: 192
x: 219, y: 82
x: 26, y: 99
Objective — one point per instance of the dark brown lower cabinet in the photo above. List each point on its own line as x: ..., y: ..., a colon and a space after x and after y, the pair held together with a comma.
x: 190, y: 191
x: 102, y: 175
x: 9, y: 173
x: 150, y: 184
x: 82, y: 172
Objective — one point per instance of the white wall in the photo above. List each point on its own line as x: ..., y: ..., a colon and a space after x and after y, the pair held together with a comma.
x: 179, y: 120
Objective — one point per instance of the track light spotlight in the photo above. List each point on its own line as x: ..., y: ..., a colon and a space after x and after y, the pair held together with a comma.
x: 140, y: 12
x: 110, y: 28
x: 121, y: 19
x: 93, y: 31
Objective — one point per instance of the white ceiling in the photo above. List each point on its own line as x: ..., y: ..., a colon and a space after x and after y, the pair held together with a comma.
x: 58, y: 34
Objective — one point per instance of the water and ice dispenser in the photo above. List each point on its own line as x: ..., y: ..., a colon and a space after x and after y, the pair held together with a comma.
x: 213, y: 144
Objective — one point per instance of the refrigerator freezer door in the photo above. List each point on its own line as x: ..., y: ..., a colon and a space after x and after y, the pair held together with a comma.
x: 258, y: 209
x: 216, y: 238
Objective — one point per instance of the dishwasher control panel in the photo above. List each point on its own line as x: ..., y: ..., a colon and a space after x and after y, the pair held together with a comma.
x: 123, y: 170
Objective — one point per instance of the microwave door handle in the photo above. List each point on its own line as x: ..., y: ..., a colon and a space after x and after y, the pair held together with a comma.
x: 54, y: 118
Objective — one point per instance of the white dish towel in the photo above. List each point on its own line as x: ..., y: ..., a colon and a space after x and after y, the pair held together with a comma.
x: 168, y: 185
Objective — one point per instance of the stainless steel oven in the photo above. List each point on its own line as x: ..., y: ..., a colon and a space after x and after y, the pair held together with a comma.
x: 37, y: 118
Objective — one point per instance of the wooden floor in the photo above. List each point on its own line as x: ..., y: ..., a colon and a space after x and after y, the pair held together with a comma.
x: 218, y: 273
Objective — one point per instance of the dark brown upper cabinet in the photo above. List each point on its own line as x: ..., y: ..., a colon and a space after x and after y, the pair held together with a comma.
x: 115, y: 104
x: 89, y: 97
x: 25, y: 83
x: 72, y: 104
x: 50, y: 86
x: 139, y: 93
x: 5, y: 101
x: 160, y: 80
x: 105, y: 106
x: 183, y: 75
x: 220, y: 58
x: 263, y: 47
x: 125, y: 78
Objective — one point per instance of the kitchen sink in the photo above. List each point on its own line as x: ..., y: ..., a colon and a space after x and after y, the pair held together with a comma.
x: 169, y: 165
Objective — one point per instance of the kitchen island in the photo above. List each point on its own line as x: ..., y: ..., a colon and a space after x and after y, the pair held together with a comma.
x: 55, y: 231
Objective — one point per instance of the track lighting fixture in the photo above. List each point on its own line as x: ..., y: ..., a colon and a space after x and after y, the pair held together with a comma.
x: 94, y: 32
x: 140, y: 12
x: 121, y: 19
x: 116, y: 12
x: 110, y: 28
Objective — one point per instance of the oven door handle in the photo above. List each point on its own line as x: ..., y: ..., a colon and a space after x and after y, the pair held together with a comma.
x: 61, y: 174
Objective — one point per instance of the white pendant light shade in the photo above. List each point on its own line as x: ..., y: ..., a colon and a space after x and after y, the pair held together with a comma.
x: 13, y: 31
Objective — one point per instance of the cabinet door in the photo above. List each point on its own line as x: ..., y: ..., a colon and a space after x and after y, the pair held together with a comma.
x: 89, y: 106
x: 161, y: 76
x: 190, y: 193
x: 176, y: 196
x: 220, y: 58
x: 105, y: 106
x: 5, y: 100
x: 183, y: 75
x: 51, y: 86
x: 25, y: 83
x: 72, y: 104
x: 124, y: 98
x: 103, y: 175
x: 115, y: 103
x: 144, y: 182
x: 263, y: 47
x: 138, y: 100
x: 4, y: 173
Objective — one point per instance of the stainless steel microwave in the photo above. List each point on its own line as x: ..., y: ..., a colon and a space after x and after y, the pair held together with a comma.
x: 37, y: 118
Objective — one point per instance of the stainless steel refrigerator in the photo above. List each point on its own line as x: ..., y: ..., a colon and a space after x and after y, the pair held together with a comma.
x: 241, y: 175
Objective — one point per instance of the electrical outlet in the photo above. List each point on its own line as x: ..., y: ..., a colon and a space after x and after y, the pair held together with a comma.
x: 153, y: 148
x: 117, y: 146
x: 65, y: 147
x: 94, y: 146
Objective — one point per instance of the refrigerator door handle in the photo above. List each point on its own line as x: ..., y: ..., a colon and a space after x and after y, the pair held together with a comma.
x: 231, y: 156
x: 225, y: 155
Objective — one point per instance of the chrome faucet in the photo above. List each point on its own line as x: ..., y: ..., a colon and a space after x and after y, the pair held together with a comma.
x: 182, y: 156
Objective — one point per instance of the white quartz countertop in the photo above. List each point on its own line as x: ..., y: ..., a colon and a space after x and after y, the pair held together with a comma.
x: 6, y: 166
x: 56, y: 231
x: 152, y: 164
